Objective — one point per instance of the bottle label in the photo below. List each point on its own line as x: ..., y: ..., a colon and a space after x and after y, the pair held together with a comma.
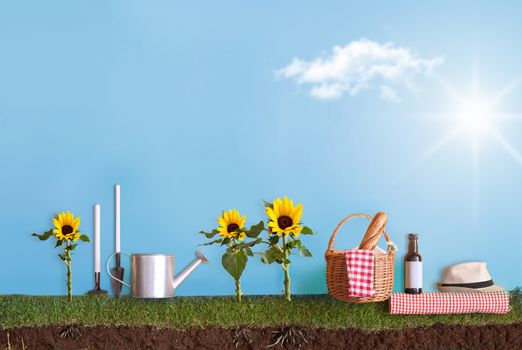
x: 413, y: 274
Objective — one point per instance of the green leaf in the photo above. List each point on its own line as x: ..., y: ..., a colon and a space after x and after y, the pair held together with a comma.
x: 293, y: 244
x: 209, y: 234
x: 234, y: 263
x: 307, y: 231
x: 44, y: 236
x: 85, y: 238
x: 248, y: 244
x: 64, y: 257
x: 304, y: 251
x: 273, y: 240
x: 58, y: 243
x: 274, y: 254
x: 255, y: 230
x: 212, y: 242
x: 225, y: 241
x: 248, y: 251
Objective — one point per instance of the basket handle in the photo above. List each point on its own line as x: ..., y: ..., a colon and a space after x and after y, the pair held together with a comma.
x: 348, y: 218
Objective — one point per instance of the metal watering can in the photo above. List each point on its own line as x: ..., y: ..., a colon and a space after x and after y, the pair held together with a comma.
x: 152, y: 275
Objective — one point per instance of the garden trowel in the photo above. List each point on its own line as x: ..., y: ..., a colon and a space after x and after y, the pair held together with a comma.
x: 117, y: 272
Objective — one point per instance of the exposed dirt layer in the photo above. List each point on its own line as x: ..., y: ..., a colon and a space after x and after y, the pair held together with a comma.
x: 435, y: 337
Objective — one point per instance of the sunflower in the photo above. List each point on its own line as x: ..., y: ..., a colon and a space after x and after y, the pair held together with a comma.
x: 229, y: 223
x: 66, y: 226
x: 284, y: 217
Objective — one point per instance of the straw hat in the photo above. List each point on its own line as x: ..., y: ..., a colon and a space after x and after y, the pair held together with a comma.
x: 467, y: 277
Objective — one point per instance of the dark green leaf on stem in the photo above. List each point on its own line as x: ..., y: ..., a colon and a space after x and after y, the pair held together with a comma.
x: 274, y: 254
x: 249, y: 244
x: 44, y: 236
x: 274, y: 239
x: 307, y: 231
x: 294, y: 244
x: 85, y: 238
x: 234, y: 263
x: 248, y: 251
x: 209, y: 234
x: 255, y: 230
x: 304, y: 251
x: 212, y: 242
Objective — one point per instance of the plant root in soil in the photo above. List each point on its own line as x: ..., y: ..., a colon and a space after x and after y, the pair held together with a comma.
x: 8, y: 345
x: 72, y: 332
x: 242, y: 336
x: 440, y: 336
x: 290, y: 336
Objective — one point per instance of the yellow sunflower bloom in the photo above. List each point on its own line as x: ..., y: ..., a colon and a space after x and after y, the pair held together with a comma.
x: 284, y: 217
x: 66, y: 226
x: 229, y: 223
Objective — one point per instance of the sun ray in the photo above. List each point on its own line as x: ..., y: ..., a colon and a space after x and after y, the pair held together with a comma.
x: 443, y: 141
x: 502, y: 93
x: 473, y: 119
x: 509, y: 117
x: 501, y: 140
x: 450, y: 90
x: 475, y: 177
x: 474, y: 81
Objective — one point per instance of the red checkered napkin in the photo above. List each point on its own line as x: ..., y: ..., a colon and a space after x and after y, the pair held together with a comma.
x: 359, y: 263
x: 449, y: 303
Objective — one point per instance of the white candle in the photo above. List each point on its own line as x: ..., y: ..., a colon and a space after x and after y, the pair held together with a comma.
x: 117, y: 224
x: 97, y: 238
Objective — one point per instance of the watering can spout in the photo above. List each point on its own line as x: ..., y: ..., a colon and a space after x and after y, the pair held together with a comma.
x: 182, y: 276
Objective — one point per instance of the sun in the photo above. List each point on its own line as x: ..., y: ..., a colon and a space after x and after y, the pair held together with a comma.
x: 476, y: 115
x: 475, y: 118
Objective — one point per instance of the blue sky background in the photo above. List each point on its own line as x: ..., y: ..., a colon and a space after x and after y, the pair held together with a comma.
x: 180, y: 104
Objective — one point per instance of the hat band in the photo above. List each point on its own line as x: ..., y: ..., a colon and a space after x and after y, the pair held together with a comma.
x: 473, y: 285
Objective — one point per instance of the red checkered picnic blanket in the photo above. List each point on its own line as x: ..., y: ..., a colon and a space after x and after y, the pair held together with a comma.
x: 359, y: 263
x: 449, y: 303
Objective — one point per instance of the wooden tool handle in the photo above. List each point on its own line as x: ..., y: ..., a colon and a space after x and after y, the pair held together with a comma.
x: 374, y: 231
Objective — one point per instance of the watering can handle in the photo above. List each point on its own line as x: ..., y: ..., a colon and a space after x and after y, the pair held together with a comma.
x: 109, y: 270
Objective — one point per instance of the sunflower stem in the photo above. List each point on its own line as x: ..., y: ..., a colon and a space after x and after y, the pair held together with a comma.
x: 239, y: 293
x: 286, y: 269
x: 69, y: 274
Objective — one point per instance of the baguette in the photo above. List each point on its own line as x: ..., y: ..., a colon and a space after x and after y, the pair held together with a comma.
x: 374, y: 231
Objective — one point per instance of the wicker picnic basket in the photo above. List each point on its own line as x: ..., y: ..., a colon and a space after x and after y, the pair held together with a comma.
x: 337, y: 276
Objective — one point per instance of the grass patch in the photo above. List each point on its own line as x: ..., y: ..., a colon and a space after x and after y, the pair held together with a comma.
x: 255, y: 311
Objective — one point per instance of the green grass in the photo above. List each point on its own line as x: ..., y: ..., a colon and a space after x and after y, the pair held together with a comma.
x: 184, y: 312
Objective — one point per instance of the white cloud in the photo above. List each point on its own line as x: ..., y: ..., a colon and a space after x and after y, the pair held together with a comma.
x: 387, y: 93
x: 360, y: 65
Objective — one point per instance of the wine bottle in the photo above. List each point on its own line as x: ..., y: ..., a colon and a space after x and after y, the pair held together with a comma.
x: 413, y: 266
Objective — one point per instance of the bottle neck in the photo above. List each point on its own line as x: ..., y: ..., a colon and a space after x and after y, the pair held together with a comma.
x: 413, y: 246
